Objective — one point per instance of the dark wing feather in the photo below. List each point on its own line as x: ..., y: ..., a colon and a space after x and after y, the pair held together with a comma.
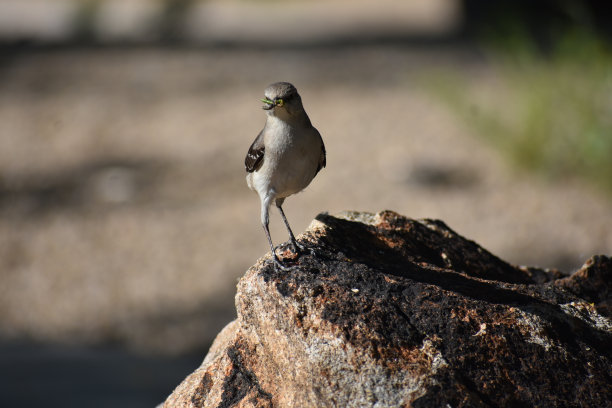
x: 255, y: 155
x: 322, y: 157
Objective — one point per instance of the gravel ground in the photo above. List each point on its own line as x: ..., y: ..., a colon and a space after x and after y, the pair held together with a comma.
x: 124, y: 213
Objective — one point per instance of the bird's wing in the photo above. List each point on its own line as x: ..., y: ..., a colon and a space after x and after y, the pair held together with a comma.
x: 323, y: 156
x: 255, y: 155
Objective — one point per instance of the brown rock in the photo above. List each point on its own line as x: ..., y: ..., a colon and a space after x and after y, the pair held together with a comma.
x: 394, y: 312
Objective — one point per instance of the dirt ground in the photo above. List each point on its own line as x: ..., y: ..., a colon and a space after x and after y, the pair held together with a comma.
x: 124, y: 213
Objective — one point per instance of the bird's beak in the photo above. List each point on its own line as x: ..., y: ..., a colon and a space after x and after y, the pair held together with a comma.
x: 269, y: 104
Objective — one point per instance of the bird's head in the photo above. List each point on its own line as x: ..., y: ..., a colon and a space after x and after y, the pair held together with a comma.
x: 282, y: 99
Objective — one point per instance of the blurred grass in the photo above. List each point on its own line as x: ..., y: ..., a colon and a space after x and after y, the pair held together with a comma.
x: 548, y: 112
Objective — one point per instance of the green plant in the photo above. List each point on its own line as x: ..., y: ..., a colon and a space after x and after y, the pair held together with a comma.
x: 552, y: 112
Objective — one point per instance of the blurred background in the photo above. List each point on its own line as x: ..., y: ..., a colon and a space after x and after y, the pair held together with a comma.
x: 125, y: 220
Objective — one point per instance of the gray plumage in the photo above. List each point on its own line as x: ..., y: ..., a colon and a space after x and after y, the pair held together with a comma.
x: 286, y: 155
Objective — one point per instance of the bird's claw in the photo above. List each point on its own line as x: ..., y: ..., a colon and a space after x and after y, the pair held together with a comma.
x: 279, y: 264
x: 302, y: 249
x: 298, y: 250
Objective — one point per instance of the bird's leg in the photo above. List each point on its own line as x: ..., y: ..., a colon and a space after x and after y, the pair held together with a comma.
x: 276, y: 260
x: 265, y: 219
x: 298, y: 248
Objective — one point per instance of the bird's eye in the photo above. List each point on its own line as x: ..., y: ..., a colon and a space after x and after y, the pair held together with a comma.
x: 280, y: 102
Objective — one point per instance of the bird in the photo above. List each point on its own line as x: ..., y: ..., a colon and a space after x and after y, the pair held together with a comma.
x: 285, y: 157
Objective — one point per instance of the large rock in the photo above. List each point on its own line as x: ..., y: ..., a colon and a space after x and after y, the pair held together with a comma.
x: 394, y: 312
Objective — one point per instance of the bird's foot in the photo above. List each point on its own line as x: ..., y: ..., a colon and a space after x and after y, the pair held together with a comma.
x: 290, y: 254
x: 300, y: 249
x: 297, y: 247
x: 280, y: 265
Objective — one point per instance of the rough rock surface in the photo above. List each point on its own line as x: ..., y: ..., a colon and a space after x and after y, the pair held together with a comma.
x: 395, y: 312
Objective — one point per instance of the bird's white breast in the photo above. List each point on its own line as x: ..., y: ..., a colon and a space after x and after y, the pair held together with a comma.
x: 290, y: 159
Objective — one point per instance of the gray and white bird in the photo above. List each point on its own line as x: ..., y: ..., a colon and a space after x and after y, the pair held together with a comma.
x: 286, y: 155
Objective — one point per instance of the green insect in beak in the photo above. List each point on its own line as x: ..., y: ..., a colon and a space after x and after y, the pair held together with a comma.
x: 269, y: 103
